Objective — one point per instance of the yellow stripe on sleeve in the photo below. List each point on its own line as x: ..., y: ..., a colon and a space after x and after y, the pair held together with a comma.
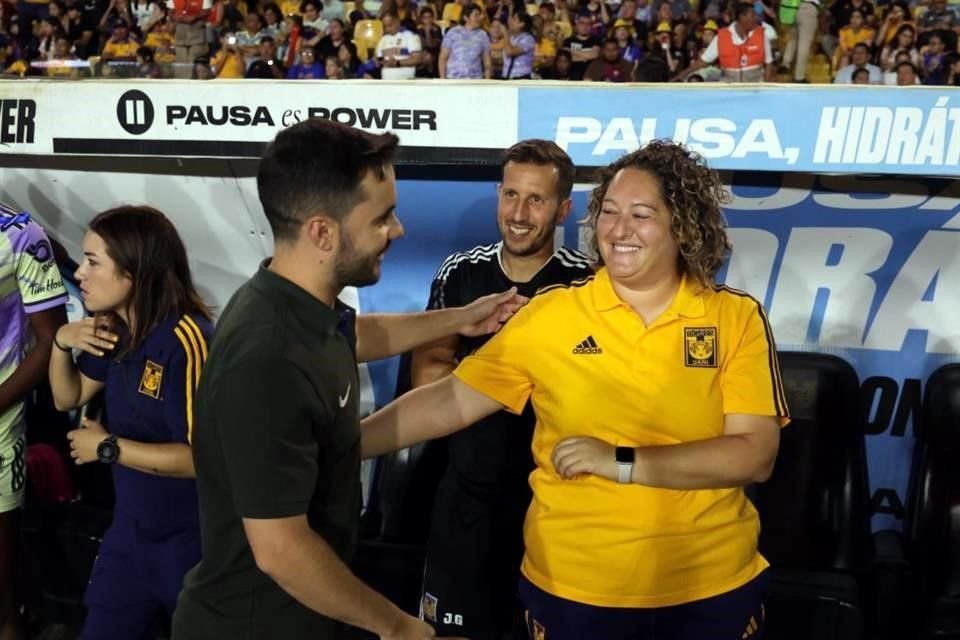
x: 189, y: 377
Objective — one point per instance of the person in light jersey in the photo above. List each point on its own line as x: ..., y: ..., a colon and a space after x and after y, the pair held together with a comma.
x: 658, y: 398
x: 32, y: 305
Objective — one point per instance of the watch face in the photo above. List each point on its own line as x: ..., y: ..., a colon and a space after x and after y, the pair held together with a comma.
x: 107, y: 451
x: 625, y: 455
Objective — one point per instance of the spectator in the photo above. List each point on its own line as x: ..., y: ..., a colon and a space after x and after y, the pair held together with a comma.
x: 851, y: 35
x: 584, y: 47
x: 801, y: 37
x: 626, y: 41
x: 336, y: 43
x: 315, y: 25
x: 146, y: 65
x: 248, y: 40
x: 267, y: 66
x: 398, y: 51
x: 121, y: 47
x: 610, y: 66
x: 308, y: 68
x: 938, y: 16
x: 201, y: 69
x: 904, y: 40
x: 57, y: 10
x: 273, y: 23
x: 897, y: 15
x: 932, y: 55
x: 228, y: 63
x: 520, y: 48
x: 907, y: 75
x: 162, y: 40
x: 48, y: 32
x: 431, y: 36
x: 545, y: 50
x: 497, y: 33
x: 84, y: 39
x: 653, y: 67
x: 600, y: 18
x: 191, y: 33
x: 861, y: 76
x: 742, y: 49
x: 839, y: 15
x: 560, y: 70
x: 859, y: 59
x: 62, y: 61
x: 145, y: 14
x: 465, y: 52
x: 117, y: 11
x: 334, y: 69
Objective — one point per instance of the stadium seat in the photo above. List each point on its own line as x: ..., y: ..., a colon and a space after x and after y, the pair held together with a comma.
x: 366, y: 35
x: 814, y: 510
x: 933, y: 511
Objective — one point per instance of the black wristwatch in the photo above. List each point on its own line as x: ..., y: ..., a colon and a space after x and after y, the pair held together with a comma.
x: 108, y: 450
x: 625, y: 459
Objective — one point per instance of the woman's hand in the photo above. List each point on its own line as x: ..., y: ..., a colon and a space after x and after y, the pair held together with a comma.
x: 583, y: 455
x: 84, y: 441
x: 86, y: 336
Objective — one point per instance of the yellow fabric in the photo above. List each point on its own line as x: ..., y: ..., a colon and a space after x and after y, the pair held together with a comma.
x: 195, y: 348
x: 451, y: 12
x: 114, y: 50
x: 597, y: 542
x: 289, y: 7
x: 162, y: 45
x: 233, y: 65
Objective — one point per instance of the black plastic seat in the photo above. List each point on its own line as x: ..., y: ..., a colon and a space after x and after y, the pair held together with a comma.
x: 814, y: 510
x: 933, y: 510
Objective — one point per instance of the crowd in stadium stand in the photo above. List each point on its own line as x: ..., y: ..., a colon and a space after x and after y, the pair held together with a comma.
x: 805, y: 41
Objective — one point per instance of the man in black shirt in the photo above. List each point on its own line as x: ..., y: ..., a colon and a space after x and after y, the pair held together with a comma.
x: 276, y: 439
x: 584, y: 48
x: 476, y: 540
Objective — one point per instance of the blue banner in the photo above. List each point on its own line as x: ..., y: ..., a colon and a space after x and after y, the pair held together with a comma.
x: 828, y: 129
x: 862, y: 268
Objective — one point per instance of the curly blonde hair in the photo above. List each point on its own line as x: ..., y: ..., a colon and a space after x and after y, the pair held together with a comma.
x: 692, y: 191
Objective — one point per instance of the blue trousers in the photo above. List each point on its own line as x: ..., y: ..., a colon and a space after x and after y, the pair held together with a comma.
x: 135, y: 581
x: 735, y: 615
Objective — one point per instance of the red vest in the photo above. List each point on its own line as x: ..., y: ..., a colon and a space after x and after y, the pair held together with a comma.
x: 748, y: 55
x: 187, y: 7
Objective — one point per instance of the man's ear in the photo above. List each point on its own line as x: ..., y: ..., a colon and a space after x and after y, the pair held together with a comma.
x: 322, y: 232
x: 564, y: 210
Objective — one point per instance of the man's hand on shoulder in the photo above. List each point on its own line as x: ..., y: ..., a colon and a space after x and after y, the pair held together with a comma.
x: 489, y: 313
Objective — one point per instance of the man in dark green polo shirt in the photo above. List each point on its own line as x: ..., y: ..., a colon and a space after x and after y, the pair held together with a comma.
x: 276, y: 439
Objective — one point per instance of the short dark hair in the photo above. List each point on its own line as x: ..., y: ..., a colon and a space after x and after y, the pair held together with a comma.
x: 906, y: 63
x: 742, y: 9
x: 468, y: 10
x: 862, y: 45
x: 542, y: 153
x: 317, y: 166
x: 611, y: 41
x: 858, y: 72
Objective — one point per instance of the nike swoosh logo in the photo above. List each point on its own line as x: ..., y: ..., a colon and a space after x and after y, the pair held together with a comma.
x: 346, y: 396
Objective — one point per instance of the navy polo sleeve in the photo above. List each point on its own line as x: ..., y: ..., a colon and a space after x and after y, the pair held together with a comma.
x: 265, y: 413
x: 182, y: 378
x: 94, y: 367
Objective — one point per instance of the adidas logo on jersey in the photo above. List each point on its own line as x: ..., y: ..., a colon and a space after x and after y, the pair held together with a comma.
x: 587, y: 347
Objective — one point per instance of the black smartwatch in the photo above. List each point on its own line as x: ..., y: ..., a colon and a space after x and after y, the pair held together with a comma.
x: 108, y: 450
x: 625, y: 459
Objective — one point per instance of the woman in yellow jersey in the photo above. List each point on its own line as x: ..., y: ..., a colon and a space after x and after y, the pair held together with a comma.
x: 658, y: 398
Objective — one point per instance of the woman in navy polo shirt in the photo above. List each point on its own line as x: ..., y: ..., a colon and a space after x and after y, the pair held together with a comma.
x: 145, y: 346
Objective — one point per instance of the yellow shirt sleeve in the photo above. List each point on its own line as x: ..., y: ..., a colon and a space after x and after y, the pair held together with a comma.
x: 498, y: 369
x: 751, y: 382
